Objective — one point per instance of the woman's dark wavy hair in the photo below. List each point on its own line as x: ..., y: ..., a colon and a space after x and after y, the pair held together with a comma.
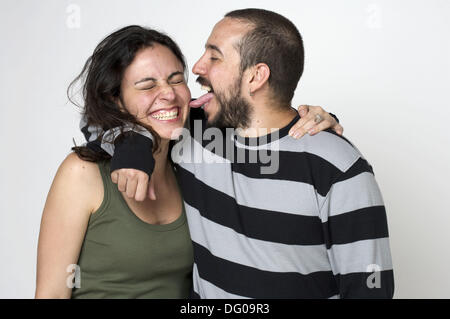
x: 101, y: 79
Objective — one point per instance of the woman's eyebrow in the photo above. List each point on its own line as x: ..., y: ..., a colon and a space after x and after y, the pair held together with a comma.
x: 145, y: 80
x: 174, y: 74
x: 153, y: 79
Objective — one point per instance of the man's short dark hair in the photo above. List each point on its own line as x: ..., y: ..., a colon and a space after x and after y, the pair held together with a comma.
x: 275, y: 41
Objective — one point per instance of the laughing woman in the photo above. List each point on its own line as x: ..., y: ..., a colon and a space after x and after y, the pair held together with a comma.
x: 120, y: 247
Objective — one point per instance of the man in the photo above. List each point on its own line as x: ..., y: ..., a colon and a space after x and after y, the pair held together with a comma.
x: 315, y: 227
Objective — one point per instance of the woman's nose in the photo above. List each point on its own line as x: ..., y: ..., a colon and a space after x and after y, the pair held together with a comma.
x: 167, y: 93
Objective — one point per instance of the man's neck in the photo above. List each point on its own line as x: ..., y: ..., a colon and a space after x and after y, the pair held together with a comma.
x: 267, y: 119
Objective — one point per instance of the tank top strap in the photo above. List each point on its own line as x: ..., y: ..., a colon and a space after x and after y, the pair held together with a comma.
x: 107, y: 190
x: 104, y: 167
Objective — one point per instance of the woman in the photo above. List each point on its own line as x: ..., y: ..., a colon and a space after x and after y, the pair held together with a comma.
x: 124, y: 248
x: 121, y: 246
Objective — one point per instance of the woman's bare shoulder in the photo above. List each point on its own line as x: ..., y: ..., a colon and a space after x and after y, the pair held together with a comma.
x: 83, y: 178
x: 74, y: 164
x: 79, y: 170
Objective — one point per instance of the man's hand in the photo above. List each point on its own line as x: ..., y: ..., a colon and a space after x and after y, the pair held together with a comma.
x: 134, y: 183
x: 308, y: 124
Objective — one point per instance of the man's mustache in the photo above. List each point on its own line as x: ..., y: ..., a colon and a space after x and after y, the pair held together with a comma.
x: 203, y: 81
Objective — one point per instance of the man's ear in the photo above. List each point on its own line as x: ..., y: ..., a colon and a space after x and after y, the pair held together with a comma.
x: 259, y: 76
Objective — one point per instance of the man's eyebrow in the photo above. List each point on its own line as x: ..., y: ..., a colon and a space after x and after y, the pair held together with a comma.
x: 213, y: 47
x: 153, y: 79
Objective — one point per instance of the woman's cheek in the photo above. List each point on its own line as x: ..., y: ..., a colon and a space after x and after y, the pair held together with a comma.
x: 145, y: 102
x: 184, y: 93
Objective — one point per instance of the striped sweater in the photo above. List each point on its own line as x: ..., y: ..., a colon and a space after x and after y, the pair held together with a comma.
x: 314, y: 228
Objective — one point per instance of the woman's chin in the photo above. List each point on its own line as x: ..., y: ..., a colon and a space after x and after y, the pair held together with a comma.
x: 167, y: 130
x: 170, y: 134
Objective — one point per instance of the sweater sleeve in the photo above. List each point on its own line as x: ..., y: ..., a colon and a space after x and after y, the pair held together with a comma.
x: 129, y: 146
x: 130, y: 150
x: 355, y: 229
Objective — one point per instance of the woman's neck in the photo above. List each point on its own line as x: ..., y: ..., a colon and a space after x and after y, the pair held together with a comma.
x: 161, y: 163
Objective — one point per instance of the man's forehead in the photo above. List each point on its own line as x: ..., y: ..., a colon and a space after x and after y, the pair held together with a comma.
x: 227, y: 32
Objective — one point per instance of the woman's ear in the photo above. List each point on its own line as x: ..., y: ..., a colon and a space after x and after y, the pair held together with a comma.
x: 119, y: 101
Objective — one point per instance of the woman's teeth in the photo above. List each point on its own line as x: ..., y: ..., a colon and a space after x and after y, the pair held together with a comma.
x: 163, y: 116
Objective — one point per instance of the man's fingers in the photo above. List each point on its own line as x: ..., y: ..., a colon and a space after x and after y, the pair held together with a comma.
x: 141, y: 190
x: 131, y: 187
x: 114, y: 177
x: 122, y: 183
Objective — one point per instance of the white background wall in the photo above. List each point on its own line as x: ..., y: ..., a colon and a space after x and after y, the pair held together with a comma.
x: 382, y: 66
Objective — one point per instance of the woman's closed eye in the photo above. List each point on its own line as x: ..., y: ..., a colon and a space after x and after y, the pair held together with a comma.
x: 148, y: 88
x: 176, y: 79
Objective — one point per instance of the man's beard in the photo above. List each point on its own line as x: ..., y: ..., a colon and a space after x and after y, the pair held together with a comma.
x: 233, y: 112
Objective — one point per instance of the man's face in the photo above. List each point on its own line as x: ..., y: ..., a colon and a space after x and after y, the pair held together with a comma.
x: 219, y: 72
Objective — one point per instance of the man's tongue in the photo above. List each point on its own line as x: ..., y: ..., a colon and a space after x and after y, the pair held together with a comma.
x: 201, y: 100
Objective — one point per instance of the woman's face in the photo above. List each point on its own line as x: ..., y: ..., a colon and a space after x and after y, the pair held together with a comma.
x: 154, y: 90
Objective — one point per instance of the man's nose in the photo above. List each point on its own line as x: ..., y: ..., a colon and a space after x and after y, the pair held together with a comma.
x: 199, y: 67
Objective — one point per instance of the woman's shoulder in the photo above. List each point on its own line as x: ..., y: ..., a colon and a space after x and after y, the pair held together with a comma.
x: 82, y: 177
x: 75, y: 167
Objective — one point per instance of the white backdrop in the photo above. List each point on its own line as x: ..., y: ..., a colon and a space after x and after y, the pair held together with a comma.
x: 382, y: 66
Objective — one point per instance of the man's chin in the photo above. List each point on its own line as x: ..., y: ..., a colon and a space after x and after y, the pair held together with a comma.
x: 214, y: 121
x: 210, y: 117
x: 210, y: 121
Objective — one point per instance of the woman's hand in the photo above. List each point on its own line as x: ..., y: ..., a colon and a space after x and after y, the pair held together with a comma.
x: 313, y: 120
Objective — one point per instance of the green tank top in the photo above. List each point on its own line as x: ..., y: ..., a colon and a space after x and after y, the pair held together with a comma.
x: 125, y: 257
